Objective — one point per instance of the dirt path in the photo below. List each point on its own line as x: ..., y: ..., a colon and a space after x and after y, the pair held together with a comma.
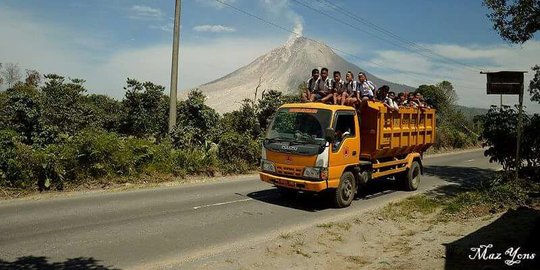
x: 379, y: 240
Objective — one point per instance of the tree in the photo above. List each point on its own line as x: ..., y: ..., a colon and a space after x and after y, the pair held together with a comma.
x: 145, y: 108
x: 11, y: 74
x: 515, y: 20
x: 64, y: 106
x: 1, y: 79
x: 448, y: 89
x: 534, y: 85
x: 107, y: 111
x: 243, y: 120
x: 269, y: 103
x: 197, y: 123
x: 33, y: 78
x: 21, y: 111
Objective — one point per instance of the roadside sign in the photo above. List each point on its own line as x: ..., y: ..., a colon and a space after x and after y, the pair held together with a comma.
x: 504, y: 82
x: 509, y: 83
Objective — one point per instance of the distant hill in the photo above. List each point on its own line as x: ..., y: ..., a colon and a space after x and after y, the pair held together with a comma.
x: 471, y: 112
x: 281, y: 69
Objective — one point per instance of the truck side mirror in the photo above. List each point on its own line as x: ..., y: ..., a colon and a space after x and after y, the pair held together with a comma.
x: 330, y: 135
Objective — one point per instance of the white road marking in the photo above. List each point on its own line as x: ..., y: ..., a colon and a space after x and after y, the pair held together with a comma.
x: 221, y: 203
x: 470, y: 160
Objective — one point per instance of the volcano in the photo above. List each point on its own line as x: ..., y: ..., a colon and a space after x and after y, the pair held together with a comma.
x: 281, y: 69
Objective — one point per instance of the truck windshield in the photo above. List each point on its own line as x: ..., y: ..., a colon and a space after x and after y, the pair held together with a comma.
x: 299, y: 125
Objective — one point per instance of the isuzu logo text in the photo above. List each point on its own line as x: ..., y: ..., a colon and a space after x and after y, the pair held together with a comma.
x: 290, y: 148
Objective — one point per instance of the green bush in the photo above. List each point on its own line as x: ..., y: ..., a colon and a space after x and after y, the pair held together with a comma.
x: 238, y: 152
x: 195, y: 161
x: 14, y: 171
x: 451, y: 137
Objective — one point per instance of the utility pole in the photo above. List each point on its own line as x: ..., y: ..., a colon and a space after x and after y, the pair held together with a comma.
x: 519, y: 131
x: 174, y: 68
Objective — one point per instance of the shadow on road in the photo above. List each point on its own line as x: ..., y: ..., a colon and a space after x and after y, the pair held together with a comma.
x: 519, y: 228
x: 305, y: 202
x: 316, y: 202
x: 466, y: 176
x: 42, y: 263
x: 459, y: 178
x: 462, y: 177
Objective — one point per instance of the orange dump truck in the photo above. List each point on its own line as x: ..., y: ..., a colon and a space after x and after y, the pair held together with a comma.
x: 314, y: 147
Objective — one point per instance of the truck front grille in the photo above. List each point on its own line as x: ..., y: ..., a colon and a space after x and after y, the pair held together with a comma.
x: 289, y: 171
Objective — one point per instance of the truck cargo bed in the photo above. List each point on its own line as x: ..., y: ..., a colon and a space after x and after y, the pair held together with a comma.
x: 386, y: 133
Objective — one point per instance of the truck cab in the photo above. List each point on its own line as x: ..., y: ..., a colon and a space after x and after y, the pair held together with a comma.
x: 315, y: 147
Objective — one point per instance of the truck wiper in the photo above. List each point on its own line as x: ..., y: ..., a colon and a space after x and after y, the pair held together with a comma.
x: 278, y: 140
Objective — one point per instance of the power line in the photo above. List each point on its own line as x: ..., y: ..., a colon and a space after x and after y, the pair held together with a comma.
x: 318, y: 42
x: 374, y: 35
x: 391, y: 34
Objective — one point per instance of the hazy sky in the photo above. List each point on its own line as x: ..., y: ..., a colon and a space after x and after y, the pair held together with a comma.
x: 106, y: 41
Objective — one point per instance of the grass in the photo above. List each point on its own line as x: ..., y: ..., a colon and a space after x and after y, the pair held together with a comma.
x: 299, y: 242
x: 345, y: 226
x: 410, y: 207
x: 326, y: 225
x: 488, y: 198
x: 334, y: 236
x: 285, y: 236
x: 356, y: 260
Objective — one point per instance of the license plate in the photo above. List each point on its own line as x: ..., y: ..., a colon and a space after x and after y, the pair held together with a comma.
x: 284, y: 183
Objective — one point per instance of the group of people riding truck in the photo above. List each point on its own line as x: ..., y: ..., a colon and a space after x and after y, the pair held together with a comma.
x: 349, y: 92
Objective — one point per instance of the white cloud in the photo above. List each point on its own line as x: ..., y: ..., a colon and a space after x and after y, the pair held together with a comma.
x: 164, y: 27
x: 415, y: 69
x: 214, y: 28
x: 144, y: 12
x: 43, y: 46
x: 214, y: 3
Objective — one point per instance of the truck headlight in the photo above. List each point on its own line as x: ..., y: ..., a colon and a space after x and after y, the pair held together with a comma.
x: 267, y: 166
x: 316, y: 173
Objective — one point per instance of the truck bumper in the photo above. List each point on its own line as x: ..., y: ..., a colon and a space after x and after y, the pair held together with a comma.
x: 293, y: 183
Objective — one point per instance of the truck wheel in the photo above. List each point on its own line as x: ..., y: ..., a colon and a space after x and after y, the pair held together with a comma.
x: 344, y: 194
x: 287, y: 193
x: 411, y: 178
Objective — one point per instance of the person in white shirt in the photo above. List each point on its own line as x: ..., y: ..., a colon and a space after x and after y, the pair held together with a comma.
x: 339, y: 89
x: 353, y: 96
x: 366, y: 87
x: 323, y: 88
x: 390, y: 101
x: 310, y: 86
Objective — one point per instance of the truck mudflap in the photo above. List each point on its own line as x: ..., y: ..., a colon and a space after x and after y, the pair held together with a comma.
x: 298, y: 184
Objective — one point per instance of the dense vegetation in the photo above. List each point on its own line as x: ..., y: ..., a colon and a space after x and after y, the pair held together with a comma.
x: 454, y: 128
x: 54, y: 134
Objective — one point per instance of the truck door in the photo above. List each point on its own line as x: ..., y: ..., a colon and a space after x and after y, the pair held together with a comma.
x: 345, y: 150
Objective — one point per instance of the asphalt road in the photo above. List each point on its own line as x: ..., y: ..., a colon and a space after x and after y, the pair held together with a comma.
x: 164, y: 227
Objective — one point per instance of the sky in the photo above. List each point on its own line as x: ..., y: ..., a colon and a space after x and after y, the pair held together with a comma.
x: 411, y: 42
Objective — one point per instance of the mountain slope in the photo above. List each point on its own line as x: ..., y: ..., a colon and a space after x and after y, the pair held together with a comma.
x: 282, y: 69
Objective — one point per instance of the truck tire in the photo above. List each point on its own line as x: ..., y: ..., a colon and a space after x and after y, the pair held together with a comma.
x: 287, y: 193
x: 344, y: 194
x: 410, y: 179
